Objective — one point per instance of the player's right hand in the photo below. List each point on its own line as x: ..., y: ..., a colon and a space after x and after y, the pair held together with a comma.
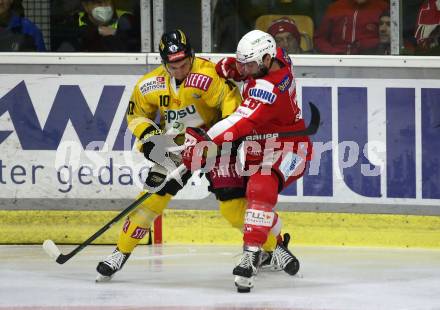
x: 227, y: 68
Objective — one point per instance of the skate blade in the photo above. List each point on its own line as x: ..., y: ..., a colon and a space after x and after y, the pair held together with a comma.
x: 244, y: 284
x: 100, y: 278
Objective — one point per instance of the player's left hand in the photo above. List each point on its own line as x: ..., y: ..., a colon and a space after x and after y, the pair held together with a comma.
x: 198, y: 147
x: 227, y: 68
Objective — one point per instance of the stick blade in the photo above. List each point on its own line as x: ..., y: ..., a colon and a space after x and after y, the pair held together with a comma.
x: 51, y: 249
x: 315, y: 121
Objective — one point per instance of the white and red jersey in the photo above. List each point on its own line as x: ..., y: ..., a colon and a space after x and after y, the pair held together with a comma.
x: 269, y: 106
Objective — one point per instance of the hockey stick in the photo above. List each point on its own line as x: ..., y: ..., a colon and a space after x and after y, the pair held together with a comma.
x: 52, y: 250
x: 308, y: 131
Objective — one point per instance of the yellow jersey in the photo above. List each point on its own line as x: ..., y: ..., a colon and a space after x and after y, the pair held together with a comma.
x: 202, y: 99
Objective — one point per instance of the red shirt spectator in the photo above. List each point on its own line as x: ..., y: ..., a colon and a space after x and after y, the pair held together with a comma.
x: 350, y: 27
x: 286, y: 35
x: 428, y: 24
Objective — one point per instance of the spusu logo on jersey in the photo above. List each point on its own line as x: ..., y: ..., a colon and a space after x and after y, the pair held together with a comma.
x: 152, y: 84
x: 198, y: 80
x: 173, y: 115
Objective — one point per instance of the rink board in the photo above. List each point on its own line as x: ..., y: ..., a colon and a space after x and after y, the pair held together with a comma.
x: 64, y: 147
x: 208, y: 227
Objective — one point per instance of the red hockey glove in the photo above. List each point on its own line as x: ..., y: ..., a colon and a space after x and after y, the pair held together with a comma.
x: 198, y: 147
x: 227, y: 68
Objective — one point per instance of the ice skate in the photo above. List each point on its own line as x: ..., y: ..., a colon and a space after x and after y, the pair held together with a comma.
x: 247, y: 269
x: 113, y: 263
x: 281, y: 258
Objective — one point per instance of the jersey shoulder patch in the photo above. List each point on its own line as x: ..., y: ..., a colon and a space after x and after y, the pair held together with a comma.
x: 152, y: 84
x: 263, y: 91
x: 284, y: 84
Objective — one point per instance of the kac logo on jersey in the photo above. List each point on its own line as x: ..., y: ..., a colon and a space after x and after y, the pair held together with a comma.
x: 152, y: 84
x: 262, y: 95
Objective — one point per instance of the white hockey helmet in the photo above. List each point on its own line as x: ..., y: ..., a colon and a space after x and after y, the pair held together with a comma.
x: 254, y: 45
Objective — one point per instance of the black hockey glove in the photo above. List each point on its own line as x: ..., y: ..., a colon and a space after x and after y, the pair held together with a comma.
x: 150, y: 140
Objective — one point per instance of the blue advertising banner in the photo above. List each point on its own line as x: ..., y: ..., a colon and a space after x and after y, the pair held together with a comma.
x: 66, y: 137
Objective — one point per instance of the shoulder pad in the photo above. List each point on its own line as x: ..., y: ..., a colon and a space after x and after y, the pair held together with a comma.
x: 263, y: 91
x: 152, y: 84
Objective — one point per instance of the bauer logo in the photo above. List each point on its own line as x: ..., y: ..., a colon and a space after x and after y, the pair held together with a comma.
x: 262, y: 136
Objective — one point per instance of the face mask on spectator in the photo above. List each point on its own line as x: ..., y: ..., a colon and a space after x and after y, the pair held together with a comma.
x: 102, y: 13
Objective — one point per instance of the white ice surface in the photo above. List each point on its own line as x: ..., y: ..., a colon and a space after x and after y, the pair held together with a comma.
x: 200, y: 277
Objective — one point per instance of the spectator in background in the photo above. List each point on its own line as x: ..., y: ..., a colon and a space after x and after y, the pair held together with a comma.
x: 384, y: 47
x: 350, y: 27
x: 63, y: 17
x: 410, y: 9
x: 286, y: 35
x: 100, y: 27
x: 234, y: 18
x: 319, y: 7
x: 17, y: 33
x: 428, y: 25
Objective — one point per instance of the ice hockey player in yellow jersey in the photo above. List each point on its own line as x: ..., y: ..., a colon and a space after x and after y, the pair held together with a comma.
x: 187, y: 92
